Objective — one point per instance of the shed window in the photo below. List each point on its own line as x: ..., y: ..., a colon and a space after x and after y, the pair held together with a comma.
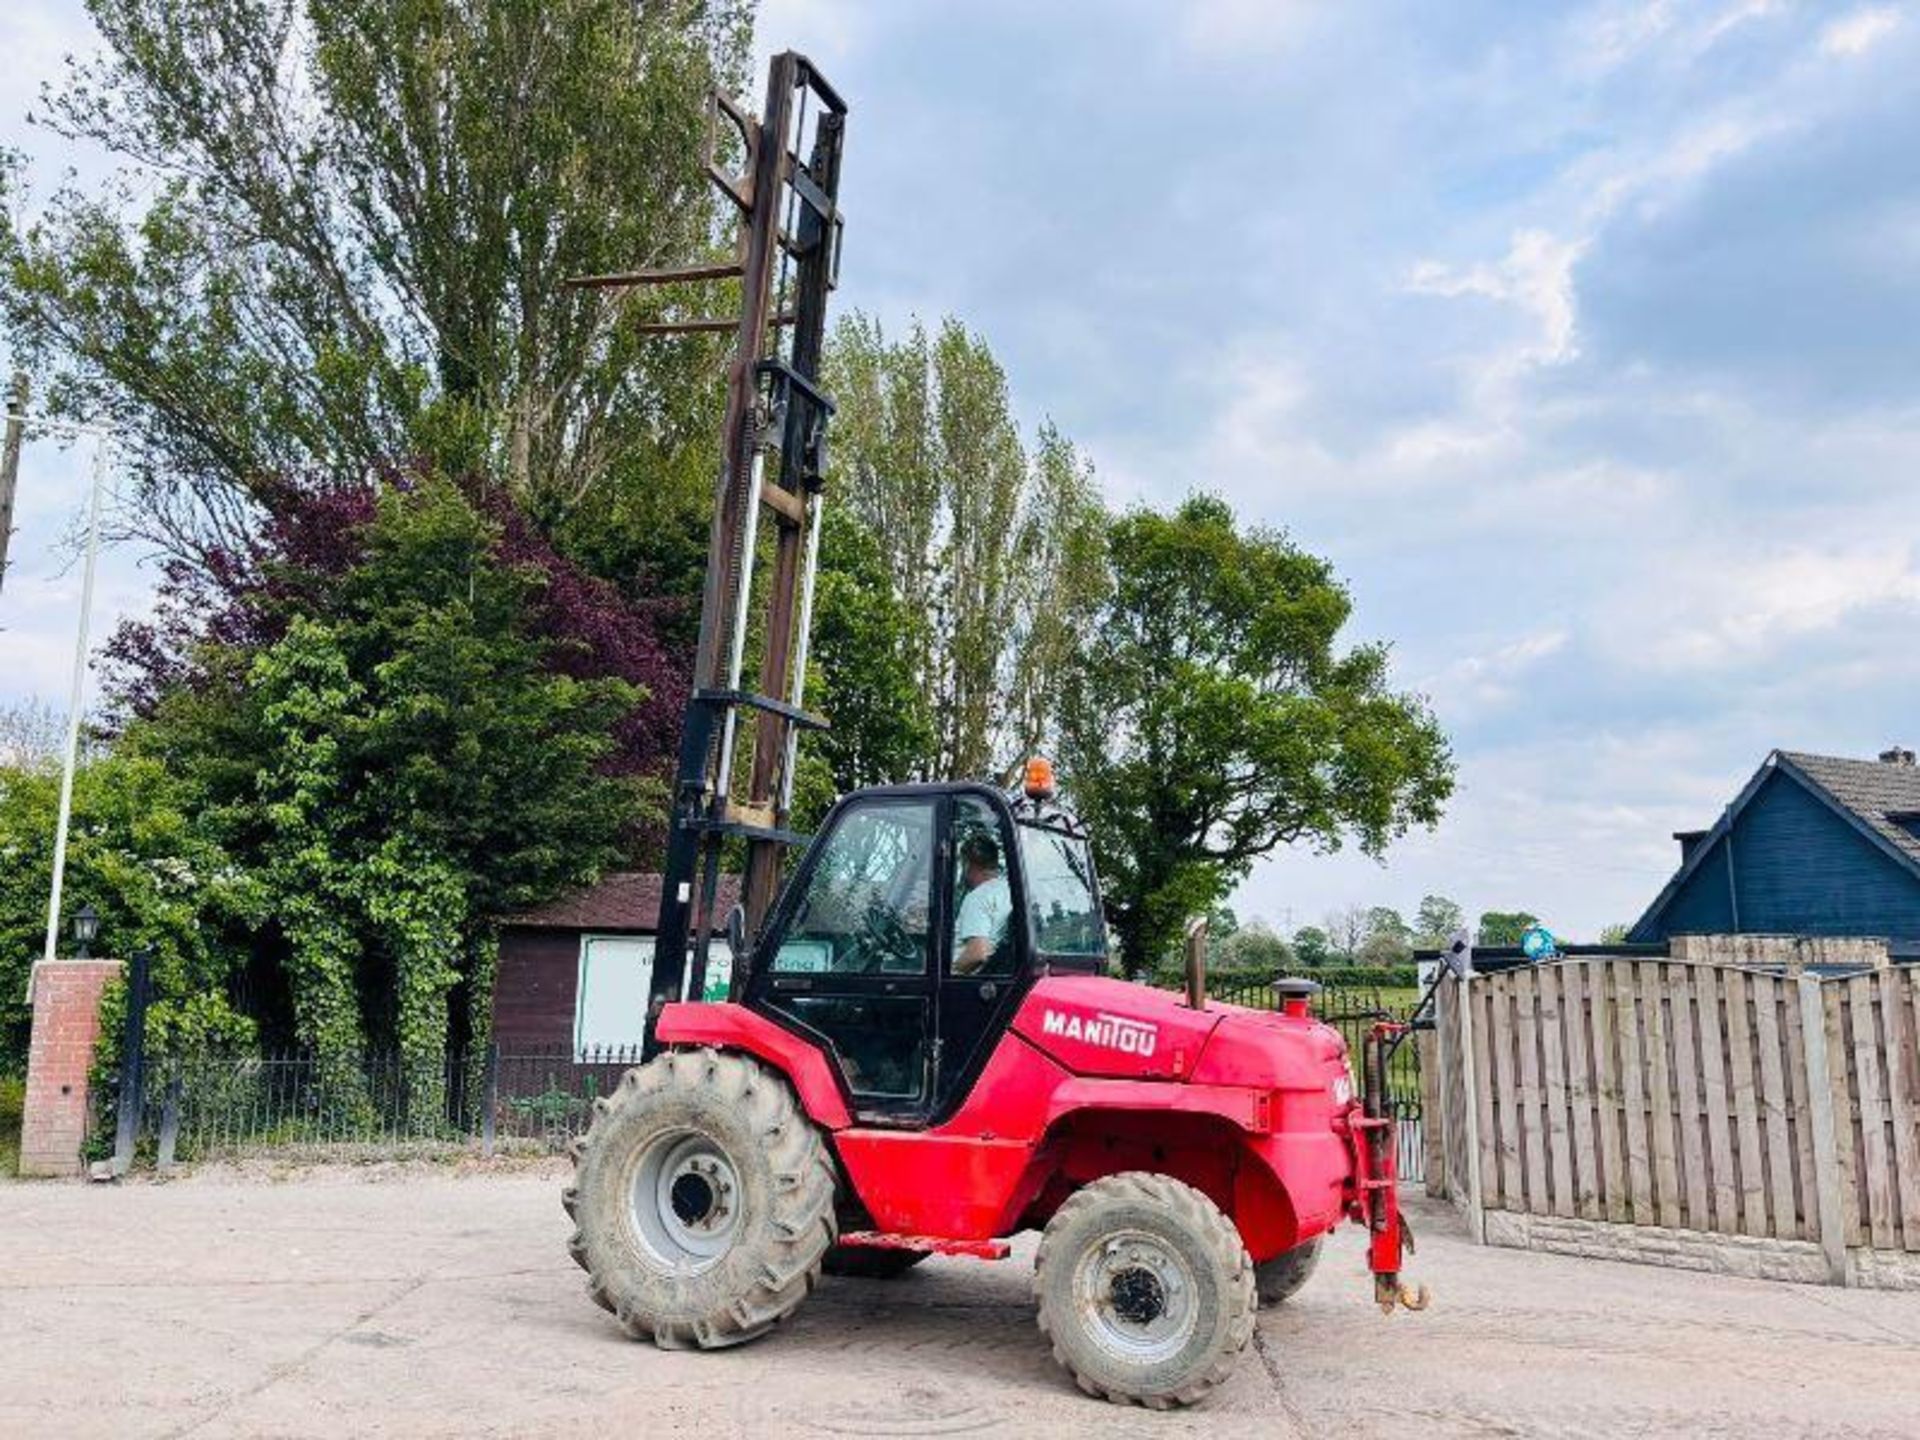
x: 616, y: 975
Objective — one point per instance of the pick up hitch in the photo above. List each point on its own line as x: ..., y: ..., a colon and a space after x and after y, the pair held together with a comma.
x: 1390, y: 1292
x: 1389, y: 1235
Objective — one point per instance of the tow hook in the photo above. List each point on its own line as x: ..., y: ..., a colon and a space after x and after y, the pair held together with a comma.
x: 1390, y: 1293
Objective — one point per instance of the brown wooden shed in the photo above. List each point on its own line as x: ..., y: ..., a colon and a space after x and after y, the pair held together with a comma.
x: 574, y: 972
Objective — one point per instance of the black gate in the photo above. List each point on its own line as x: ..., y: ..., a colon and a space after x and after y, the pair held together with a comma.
x: 1352, y: 1010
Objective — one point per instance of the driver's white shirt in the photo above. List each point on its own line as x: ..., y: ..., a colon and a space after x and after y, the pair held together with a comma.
x: 984, y: 912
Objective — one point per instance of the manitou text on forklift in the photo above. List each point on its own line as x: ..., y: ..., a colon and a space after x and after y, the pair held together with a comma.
x: 908, y: 1062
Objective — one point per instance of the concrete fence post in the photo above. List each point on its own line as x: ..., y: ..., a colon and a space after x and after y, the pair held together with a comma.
x: 1470, y: 1103
x: 1826, y: 1153
x: 170, y: 1122
x: 490, y: 1099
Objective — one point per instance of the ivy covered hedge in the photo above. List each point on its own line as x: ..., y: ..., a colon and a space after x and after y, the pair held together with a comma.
x: 340, y: 764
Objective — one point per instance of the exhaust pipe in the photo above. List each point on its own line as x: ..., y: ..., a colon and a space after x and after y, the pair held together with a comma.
x: 1197, y: 963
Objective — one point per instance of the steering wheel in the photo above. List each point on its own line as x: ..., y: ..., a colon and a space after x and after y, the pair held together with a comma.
x: 883, y: 936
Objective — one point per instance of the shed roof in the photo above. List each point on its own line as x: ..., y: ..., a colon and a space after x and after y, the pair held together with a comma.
x: 621, y: 900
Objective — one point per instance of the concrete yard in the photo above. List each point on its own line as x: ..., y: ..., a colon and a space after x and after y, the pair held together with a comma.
x: 421, y: 1302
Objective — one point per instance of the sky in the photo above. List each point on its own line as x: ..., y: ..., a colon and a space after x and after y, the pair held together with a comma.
x: 1584, y: 340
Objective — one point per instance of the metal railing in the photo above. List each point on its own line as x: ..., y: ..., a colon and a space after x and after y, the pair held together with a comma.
x: 215, y: 1106
x: 226, y: 1105
x: 1352, y: 1009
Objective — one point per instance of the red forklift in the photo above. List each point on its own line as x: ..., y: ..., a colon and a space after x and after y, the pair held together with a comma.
x: 920, y: 1052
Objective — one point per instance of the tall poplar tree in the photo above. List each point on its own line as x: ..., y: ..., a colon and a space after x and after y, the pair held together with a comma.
x: 999, y: 547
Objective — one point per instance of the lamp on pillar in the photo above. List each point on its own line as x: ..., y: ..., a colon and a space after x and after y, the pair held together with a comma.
x: 86, y: 928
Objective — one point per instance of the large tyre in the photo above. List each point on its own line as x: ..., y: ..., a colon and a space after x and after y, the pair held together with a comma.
x: 869, y: 1262
x: 702, y: 1200
x: 1277, y: 1279
x: 1145, y: 1290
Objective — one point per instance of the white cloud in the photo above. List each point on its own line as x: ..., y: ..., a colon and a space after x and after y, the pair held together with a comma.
x: 1615, y: 37
x: 1614, y: 34
x: 1575, y: 828
x: 1237, y: 27
x: 1474, y: 684
x: 1859, y: 32
x: 1536, y: 275
x: 827, y: 32
x: 1675, y: 162
x: 1736, y: 15
x: 1721, y: 605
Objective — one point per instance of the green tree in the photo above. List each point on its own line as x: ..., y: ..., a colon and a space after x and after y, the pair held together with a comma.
x: 1254, y: 946
x: 1504, y: 927
x: 1346, y: 932
x: 350, y: 241
x: 1311, y: 946
x: 1615, y: 934
x: 397, y: 768
x: 999, y: 549
x: 1389, y: 939
x: 1213, y: 718
x: 1435, y: 923
x: 861, y: 674
x: 141, y: 854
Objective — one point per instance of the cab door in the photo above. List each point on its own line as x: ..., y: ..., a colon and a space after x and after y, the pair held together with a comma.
x: 853, y: 956
x: 983, y: 949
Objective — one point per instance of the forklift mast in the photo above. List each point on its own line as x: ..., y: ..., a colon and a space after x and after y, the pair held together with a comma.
x: 773, y: 459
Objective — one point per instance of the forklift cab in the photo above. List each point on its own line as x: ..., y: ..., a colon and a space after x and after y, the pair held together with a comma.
x: 913, y: 926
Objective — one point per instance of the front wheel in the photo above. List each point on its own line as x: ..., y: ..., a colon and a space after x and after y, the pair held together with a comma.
x: 1145, y: 1290
x: 702, y: 1200
x: 1278, y: 1279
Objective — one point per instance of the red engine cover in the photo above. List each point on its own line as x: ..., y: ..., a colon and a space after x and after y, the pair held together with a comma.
x: 1113, y: 1029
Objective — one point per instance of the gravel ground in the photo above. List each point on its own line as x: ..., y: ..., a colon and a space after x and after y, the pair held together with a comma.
x: 422, y: 1302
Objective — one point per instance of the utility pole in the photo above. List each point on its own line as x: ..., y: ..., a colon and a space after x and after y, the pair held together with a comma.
x: 10, y: 462
x: 76, y: 700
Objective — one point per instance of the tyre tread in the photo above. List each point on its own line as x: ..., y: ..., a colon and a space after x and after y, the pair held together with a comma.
x: 802, y: 1226
x: 1205, y: 1220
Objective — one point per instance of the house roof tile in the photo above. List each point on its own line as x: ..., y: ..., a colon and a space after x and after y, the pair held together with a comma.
x: 1874, y: 790
x: 621, y: 900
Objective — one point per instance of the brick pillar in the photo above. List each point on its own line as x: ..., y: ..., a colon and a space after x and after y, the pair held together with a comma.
x: 66, y: 1022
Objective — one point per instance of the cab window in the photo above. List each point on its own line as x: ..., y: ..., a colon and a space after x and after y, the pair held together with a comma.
x: 867, y: 903
x: 982, y: 900
x: 1062, y: 902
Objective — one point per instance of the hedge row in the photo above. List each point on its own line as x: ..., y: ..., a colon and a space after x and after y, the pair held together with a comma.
x: 1383, y: 977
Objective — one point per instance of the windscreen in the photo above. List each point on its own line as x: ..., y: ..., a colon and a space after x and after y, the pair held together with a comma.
x: 1062, y: 900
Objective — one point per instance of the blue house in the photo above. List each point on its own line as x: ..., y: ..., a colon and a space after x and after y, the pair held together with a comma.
x: 1812, y: 846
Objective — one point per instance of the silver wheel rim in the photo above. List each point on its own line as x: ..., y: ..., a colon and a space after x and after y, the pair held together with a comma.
x: 1137, y: 1297
x: 685, y: 1201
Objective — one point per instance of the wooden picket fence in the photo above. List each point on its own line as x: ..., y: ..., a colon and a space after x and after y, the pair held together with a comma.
x: 1701, y: 1097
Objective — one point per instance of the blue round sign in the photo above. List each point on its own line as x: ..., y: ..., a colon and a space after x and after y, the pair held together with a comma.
x: 1538, y: 943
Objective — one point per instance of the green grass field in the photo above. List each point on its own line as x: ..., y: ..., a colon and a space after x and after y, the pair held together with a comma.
x: 1403, y: 1076
x: 1399, y: 1001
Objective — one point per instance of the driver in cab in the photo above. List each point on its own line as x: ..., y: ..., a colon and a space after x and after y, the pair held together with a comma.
x: 985, y: 908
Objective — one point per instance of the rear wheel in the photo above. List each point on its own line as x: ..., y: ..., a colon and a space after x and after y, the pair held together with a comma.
x: 1145, y: 1290
x: 871, y: 1262
x: 1277, y: 1279
x: 702, y: 1201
